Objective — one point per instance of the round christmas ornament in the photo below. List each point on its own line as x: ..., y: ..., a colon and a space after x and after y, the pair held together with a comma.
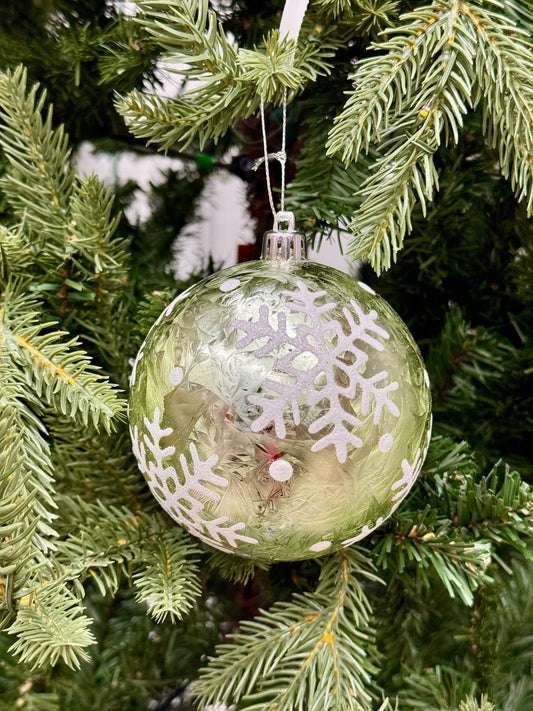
x: 280, y: 409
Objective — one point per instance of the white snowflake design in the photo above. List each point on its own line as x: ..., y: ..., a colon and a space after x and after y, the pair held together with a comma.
x: 410, y: 472
x: 367, y: 530
x: 329, y: 344
x: 184, y: 502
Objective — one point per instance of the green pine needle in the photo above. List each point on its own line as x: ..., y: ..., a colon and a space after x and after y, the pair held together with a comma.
x: 472, y: 704
x: 313, y: 653
x: 27, y: 506
x: 440, y: 60
x: 504, y: 64
x: 54, y: 368
x: 39, y: 182
x: 15, y: 255
x: 235, y: 569
x: 324, y: 193
x: 408, y: 99
x: 367, y: 17
x: 99, y: 541
x: 168, y: 579
x: 91, y: 233
x: 51, y: 626
x: 222, y: 85
x: 421, y: 545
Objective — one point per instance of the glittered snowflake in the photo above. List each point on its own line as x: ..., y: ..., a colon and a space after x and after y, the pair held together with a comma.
x: 410, y: 472
x: 184, y: 499
x: 325, y: 361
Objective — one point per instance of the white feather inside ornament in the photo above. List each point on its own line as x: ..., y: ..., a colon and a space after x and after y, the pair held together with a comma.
x: 280, y: 409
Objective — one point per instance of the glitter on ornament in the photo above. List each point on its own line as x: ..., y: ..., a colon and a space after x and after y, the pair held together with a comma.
x: 229, y: 285
x: 176, y: 375
x: 385, y: 442
x: 184, y: 501
x: 280, y: 470
x: 331, y: 347
x: 280, y: 409
x: 320, y: 547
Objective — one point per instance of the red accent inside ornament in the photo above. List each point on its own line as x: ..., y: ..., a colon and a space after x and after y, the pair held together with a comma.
x: 247, y: 253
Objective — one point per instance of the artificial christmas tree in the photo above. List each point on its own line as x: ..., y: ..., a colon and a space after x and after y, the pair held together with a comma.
x: 104, y: 601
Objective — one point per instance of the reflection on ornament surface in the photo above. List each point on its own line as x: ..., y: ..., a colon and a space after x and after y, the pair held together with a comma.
x: 280, y: 410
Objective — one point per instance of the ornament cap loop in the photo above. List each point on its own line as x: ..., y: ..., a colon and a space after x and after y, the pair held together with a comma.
x: 286, y: 243
x: 287, y: 217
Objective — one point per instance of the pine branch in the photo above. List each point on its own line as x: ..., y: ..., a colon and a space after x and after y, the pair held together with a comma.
x: 504, y: 65
x: 21, y: 689
x: 27, y: 506
x: 99, y: 541
x: 434, y: 546
x: 125, y: 55
x: 324, y: 192
x: 99, y: 272
x: 334, y: 8
x: 17, y: 528
x: 445, y: 457
x: 168, y: 580
x: 103, y: 543
x: 371, y: 17
x: 437, y: 688
x: 39, y: 182
x: 92, y: 228
x: 95, y: 466
x: 76, y: 226
x: 41, y: 582
x: 520, y: 12
x: 233, y: 568
x: 512, y: 618
x: 312, y: 653
x: 482, y: 635
x: 272, y: 68
x: 414, y: 96
x: 226, y: 84
x: 192, y: 29
x: 51, y: 626
x: 367, y: 17
x: 148, y: 310
x: 409, y: 100
x: 109, y: 543
x: 191, y: 35
x: 387, y: 199
x: 56, y: 369
x: 472, y: 704
x: 27, y: 539
x: 487, y: 516
x: 391, y: 89
x: 467, y: 366
x: 14, y: 253
x: 496, y: 508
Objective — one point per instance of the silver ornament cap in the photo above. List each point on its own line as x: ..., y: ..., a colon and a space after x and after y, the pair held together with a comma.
x: 286, y: 243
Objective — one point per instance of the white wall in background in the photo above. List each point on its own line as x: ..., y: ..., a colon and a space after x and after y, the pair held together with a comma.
x: 223, y: 221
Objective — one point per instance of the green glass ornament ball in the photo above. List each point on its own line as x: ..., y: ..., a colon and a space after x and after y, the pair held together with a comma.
x: 280, y: 410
